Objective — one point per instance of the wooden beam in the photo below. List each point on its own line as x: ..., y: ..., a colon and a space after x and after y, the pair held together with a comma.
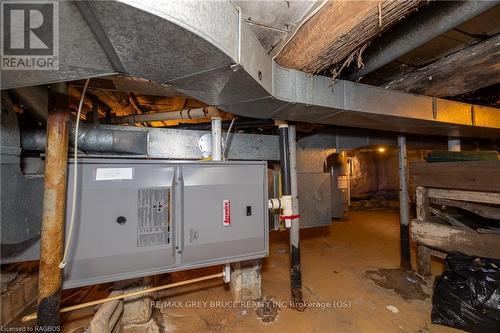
x: 467, y: 70
x: 449, y: 238
x: 340, y: 28
x: 474, y: 176
x: 484, y: 197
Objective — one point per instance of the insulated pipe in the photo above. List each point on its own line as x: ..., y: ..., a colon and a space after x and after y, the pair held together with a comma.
x: 404, y: 214
x: 431, y: 22
x: 92, y: 139
x: 54, y: 208
x: 216, y: 139
x: 162, y: 116
x: 295, y: 269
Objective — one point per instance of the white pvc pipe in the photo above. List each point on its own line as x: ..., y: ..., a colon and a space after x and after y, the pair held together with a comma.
x: 216, y: 139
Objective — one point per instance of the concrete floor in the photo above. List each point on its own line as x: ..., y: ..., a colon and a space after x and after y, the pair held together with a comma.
x: 334, y: 264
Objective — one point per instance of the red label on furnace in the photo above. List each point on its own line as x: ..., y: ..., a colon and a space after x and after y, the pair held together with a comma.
x: 226, y: 213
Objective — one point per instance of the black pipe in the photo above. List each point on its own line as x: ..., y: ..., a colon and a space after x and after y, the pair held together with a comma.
x: 248, y: 123
x: 295, y: 270
x: 95, y: 110
x: 285, y: 161
x: 405, y: 247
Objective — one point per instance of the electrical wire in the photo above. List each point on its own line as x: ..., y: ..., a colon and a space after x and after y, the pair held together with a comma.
x: 226, y: 141
x: 62, y: 264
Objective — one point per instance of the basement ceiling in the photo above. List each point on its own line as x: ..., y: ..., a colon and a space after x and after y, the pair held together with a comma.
x: 469, y: 33
x: 271, y: 21
x: 221, y: 63
x: 276, y: 21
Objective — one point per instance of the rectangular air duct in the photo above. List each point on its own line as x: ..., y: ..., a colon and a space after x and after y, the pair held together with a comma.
x: 142, y: 217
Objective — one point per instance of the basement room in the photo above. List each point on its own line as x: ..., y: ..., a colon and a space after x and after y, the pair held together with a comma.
x: 186, y: 166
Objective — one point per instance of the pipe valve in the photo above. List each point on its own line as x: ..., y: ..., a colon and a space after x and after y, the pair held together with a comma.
x: 285, y: 204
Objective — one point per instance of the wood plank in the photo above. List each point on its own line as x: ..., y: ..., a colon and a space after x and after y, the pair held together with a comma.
x: 449, y: 238
x: 462, y: 156
x: 474, y: 196
x: 476, y: 176
x: 450, y: 219
x: 423, y: 260
x: 422, y: 194
x: 340, y: 28
x: 470, y: 69
x: 489, y: 212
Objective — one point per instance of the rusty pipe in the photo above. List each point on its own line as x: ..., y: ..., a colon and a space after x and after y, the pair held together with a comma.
x: 54, y: 204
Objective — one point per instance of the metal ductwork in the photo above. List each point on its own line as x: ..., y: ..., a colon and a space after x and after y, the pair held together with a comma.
x: 216, y: 59
x: 18, y: 193
x: 35, y: 100
x: 432, y: 21
x: 90, y: 138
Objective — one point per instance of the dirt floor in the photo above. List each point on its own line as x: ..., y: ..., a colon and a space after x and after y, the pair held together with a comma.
x: 350, y: 278
x: 350, y: 265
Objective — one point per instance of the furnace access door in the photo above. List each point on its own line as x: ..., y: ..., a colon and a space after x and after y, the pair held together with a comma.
x: 136, y: 218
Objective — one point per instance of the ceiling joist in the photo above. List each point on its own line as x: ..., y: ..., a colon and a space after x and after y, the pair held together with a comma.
x: 469, y: 69
x: 339, y: 29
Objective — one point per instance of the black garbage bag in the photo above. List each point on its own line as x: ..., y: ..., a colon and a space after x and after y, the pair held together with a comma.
x: 467, y: 294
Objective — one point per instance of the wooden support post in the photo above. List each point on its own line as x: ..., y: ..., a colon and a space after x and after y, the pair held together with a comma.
x: 54, y: 207
x: 423, y: 260
x: 423, y: 252
x: 422, y: 203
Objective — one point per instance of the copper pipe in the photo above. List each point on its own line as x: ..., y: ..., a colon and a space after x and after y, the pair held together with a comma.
x: 54, y: 205
x: 205, y: 112
x: 131, y: 294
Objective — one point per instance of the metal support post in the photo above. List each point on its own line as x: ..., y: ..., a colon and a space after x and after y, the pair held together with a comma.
x: 295, y: 268
x: 404, y: 214
x: 286, y: 174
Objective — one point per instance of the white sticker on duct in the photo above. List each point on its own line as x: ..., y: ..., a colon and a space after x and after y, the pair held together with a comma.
x: 114, y: 173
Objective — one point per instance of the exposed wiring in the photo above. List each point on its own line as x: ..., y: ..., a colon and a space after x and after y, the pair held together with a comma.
x: 62, y: 264
x: 226, y: 141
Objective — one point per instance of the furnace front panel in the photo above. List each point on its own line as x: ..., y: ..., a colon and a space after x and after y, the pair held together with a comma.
x: 138, y: 218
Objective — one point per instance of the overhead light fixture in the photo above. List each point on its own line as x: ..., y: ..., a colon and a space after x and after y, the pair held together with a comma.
x: 381, y: 149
